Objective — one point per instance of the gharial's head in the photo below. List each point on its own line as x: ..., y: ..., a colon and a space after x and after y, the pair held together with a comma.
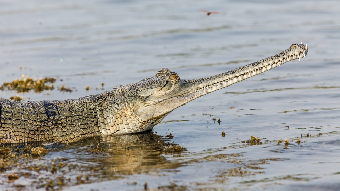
x: 144, y: 104
x: 159, y: 95
x: 150, y: 100
x: 160, y: 87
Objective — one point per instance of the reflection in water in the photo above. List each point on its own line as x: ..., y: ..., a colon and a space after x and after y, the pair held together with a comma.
x: 115, y: 158
x: 90, y: 160
x: 138, y: 153
x: 112, y: 158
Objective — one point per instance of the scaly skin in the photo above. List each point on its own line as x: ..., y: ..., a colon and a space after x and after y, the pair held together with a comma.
x: 126, y: 109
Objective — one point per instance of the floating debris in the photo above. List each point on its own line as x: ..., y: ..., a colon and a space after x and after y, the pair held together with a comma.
x: 12, y: 177
x: 26, y: 83
x: 286, y: 141
x: 79, y: 179
x: 173, y: 148
x: 253, y: 141
x: 50, y: 185
x: 170, y: 136
x: 219, y: 121
x: 65, y: 89
x: 223, y: 134
x: 16, y: 98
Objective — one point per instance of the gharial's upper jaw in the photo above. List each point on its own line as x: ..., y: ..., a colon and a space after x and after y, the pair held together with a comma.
x: 300, y: 49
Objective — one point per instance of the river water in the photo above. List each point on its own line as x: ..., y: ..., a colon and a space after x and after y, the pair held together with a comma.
x: 87, y: 43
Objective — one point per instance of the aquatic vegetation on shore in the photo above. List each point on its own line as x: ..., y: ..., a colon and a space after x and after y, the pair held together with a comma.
x: 26, y: 84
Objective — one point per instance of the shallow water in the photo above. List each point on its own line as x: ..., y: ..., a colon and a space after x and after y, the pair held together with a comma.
x: 119, y: 42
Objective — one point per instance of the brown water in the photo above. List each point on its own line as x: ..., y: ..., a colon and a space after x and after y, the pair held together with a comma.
x: 86, y: 43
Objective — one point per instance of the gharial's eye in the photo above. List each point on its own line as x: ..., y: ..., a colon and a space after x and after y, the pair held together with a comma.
x: 173, y: 76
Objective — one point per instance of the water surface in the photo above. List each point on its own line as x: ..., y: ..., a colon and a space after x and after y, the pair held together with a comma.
x: 87, y: 43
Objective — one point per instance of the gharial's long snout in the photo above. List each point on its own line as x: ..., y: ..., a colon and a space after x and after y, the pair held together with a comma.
x: 192, y: 89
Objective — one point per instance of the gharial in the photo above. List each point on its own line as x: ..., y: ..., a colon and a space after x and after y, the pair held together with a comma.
x: 125, y: 109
